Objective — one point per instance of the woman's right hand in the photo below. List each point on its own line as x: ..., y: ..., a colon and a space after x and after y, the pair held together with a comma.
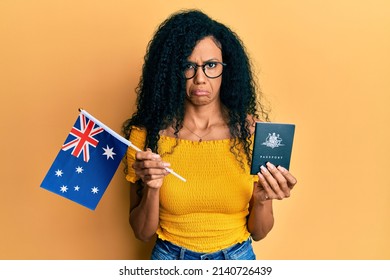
x: 150, y: 168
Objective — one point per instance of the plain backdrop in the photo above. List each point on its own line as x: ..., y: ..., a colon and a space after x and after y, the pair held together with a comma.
x: 323, y: 65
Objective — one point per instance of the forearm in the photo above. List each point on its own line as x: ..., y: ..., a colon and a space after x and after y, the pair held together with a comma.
x: 260, y: 220
x: 144, y: 218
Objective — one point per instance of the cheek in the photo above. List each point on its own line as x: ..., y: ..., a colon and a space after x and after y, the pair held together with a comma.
x: 216, y: 85
x: 188, y: 86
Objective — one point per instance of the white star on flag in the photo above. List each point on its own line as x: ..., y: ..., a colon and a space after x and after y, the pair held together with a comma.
x: 79, y: 169
x: 108, y: 152
x: 94, y: 190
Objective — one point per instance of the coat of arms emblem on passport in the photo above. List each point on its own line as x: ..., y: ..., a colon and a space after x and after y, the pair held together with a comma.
x: 272, y: 142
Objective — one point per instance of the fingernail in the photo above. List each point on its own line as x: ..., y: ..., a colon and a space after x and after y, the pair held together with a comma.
x: 281, y: 168
x: 166, y: 164
x: 263, y: 168
x: 270, y: 165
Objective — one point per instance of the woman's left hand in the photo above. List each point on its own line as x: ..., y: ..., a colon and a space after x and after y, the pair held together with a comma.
x: 274, y: 183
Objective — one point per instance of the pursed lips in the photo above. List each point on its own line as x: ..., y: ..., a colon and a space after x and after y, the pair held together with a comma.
x: 199, y: 92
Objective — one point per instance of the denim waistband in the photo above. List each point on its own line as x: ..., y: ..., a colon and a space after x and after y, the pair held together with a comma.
x: 169, y: 251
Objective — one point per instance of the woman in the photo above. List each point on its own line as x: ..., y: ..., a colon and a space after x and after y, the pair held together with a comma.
x: 196, y: 110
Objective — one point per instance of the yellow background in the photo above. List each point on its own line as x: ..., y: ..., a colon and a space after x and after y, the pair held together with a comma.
x: 323, y: 65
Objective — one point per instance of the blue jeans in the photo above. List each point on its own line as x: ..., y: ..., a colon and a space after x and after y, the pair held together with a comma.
x: 165, y: 250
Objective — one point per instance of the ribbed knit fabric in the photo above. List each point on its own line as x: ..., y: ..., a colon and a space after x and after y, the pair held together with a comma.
x: 208, y: 212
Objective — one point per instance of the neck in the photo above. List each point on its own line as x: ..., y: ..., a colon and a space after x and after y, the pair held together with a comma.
x: 203, y: 117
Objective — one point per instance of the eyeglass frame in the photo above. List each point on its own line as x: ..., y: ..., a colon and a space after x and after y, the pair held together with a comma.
x: 203, y: 66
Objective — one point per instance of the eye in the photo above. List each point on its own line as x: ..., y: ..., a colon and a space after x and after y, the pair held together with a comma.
x: 189, y: 66
x: 210, y: 65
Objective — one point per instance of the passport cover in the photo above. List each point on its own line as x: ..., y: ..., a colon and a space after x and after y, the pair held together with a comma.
x: 272, y: 142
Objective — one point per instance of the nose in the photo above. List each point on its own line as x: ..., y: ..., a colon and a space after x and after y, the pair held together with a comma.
x: 200, y: 76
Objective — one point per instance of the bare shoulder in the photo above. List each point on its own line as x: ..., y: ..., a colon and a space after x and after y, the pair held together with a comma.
x: 169, y: 131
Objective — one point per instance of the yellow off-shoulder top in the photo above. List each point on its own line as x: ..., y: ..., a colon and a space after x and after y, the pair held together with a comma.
x: 209, y: 211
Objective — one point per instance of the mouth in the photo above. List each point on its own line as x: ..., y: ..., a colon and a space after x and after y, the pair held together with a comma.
x: 199, y: 92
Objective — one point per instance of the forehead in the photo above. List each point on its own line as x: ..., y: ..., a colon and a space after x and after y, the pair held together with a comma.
x: 206, y: 49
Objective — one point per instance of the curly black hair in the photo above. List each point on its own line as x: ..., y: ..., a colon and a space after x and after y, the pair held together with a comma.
x: 161, y: 89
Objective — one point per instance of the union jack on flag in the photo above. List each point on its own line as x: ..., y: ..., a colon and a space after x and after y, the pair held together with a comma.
x: 84, y: 138
x: 85, y: 179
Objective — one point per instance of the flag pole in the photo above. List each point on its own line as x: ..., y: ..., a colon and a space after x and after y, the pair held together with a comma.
x: 123, y: 140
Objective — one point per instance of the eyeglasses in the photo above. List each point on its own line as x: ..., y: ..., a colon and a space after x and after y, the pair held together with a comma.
x: 212, y: 69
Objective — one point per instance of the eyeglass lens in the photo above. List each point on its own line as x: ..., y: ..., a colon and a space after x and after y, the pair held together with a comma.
x: 211, y: 69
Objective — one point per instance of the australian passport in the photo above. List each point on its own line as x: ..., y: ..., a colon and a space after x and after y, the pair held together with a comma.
x: 273, y: 142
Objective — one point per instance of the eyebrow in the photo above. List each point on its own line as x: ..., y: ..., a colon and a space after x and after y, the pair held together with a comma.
x: 208, y: 60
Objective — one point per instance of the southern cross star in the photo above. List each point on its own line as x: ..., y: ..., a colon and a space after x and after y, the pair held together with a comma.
x: 94, y: 190
x: 59, y: 173
x: 64, y: 189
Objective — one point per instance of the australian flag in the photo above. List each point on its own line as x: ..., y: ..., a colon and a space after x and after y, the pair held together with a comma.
x: 86, y: 162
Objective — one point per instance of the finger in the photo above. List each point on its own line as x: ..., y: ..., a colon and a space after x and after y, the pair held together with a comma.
x: 291, y: 180
x: 145, y: 164
x: 272, y: 182
x: 152, y: 164
x: 151, y: 168
x: 146, y: 155
x: 150, y: 177
x: 264, y: 196
x: 151, y: 174
x: 263, y: 184
x: 151, y: 171
x: 147, y: 159
x: 279, y: 177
